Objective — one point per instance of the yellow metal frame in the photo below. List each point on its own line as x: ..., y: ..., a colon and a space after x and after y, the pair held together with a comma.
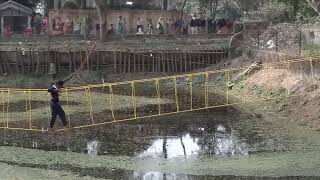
x: 190, y: 83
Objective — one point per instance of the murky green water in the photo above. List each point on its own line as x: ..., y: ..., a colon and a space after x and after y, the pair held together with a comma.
x: 217, y: 144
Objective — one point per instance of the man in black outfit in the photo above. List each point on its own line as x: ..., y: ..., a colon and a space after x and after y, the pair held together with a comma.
x: 56, y: 108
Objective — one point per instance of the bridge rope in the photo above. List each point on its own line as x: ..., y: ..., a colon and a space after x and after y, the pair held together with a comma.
x: 100, y: 104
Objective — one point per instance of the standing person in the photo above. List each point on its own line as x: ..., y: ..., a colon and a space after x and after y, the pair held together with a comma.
x: 97, y: 30
x: 140, y: 24
x: 203, y: 23
x: 56, y: 108
x: 178, y: 26
x: 171, y: 26
x: 193, y: 25
x: 121, y: 24
x: 185, y: 27
x: 44, y: 25
x: 167, y: 26
x: 38, y: 23
x: 160, y: 25
x: 198, y: 25
x: 150, y: 27
x: 111, y: 30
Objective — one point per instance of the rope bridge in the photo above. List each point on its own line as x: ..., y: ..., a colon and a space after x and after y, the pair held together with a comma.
x: 94, y: 105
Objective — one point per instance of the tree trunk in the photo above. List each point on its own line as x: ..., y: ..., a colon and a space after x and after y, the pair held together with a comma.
x: 102, y: 19
x: 295, y: 4
x: 182, y: 9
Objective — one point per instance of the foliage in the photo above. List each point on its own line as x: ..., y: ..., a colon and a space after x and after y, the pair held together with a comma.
x: 299, y: 8
x: 274, y: 12
x: 229, y: 10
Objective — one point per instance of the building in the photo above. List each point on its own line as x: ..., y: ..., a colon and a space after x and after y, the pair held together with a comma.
x: 15, y: 15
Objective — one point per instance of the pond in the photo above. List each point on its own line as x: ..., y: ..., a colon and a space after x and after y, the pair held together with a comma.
x: 223, y: 143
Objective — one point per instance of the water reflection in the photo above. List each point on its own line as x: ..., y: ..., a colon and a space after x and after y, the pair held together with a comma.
x: 173, y: 147
x: 92, y: 147
x: 168, y: 176
x: 219, y: 143
x: 158, y: 176
x: 179, y: 136
x: 228, y: 144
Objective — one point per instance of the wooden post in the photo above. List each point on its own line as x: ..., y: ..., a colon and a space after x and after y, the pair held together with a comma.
x: 8, y: 68
x: 190, y: 61
x: 74, y: 59
x: 114, y: 61
x: 1, y: 70
x: 88, y: 60
x: 199, y: 60
x: 185, y: 62
x: 98, y: 60
x: 70, y: 61
x: 17, y: 61
x: 38, y: 63
x: 58, y: 60
x: 143, y: 64
x: 129, y: 62
x: 81, y: 56
x: 153, y: 65
x: 158, y: 59
x: 22, y: 63
x: 120, y: 62
x: 204, y: 64
x: 175, y: 63
x: 163, y: 63
x: 172, y: 61
x: 125, y: 61
x: 139, y: 62
x: 29, y: 61
x: 134, y: 63
x: 180, y: 59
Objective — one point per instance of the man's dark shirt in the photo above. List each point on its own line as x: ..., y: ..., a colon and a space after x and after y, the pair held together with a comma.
x: 54, y: 93
x: 193, y: 23
x: 198, y: 22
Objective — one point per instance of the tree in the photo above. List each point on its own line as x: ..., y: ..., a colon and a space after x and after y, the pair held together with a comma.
x: 182, y: 9
x: 315, y: 5
x: 306, y: 8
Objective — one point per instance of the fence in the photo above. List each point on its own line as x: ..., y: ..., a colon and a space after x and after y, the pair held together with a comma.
x: 290, y: 42
x: 32, y: 61
x: 93, y: 105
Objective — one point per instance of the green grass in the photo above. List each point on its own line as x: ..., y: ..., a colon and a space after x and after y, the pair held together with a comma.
x: 311, y: 49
